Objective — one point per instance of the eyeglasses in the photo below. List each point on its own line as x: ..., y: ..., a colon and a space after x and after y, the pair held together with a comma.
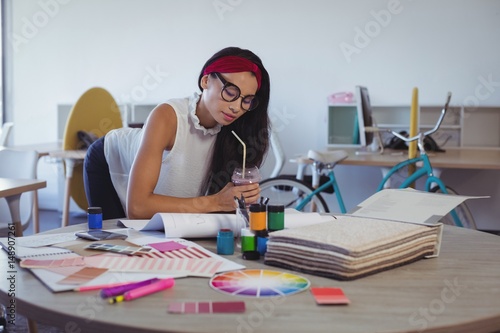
x: 230, y: 92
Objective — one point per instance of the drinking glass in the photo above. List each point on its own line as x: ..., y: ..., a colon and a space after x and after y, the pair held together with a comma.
x: 250, y: 176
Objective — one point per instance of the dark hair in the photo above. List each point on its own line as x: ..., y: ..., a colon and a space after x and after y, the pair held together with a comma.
x: 252, y: 128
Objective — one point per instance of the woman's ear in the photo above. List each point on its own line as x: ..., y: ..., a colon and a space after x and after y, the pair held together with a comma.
x: 204, y: 81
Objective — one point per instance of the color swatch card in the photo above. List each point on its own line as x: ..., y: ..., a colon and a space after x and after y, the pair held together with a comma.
x: 205, y: 267
x: 206, y: 307
x: 46, y: 263
x: 84, y: 275
x: 329, y: 295
x: 121, y: 249
x: 167, y: 246
x: 180, y: 253
x: 259, y: 283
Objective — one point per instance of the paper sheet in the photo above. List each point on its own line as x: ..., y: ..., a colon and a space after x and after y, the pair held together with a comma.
x: 188, y: 225
x: 408, y: 205
x: 50, y: 277
x: 45, y: 240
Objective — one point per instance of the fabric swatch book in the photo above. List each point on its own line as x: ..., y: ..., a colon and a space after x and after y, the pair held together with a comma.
x: 389, y: 229
x: 351, y: 247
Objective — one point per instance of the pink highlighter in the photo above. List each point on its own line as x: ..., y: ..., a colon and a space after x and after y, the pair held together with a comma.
x: 162, y: 284
x: 122, y: 289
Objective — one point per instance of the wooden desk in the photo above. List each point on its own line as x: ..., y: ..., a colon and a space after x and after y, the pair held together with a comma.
x: 457, y: 292
x: 11, y: 190
x: 460, y: 158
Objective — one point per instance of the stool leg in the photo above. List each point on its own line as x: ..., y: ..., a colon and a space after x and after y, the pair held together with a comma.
x: 35, y: 213
x: 32, y: 326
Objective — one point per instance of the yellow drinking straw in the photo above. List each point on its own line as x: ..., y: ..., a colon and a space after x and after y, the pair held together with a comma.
x: 412, y: 148
x: 244, y: 152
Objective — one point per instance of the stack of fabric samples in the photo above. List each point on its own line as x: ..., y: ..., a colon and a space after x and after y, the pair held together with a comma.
x: 351, y: 247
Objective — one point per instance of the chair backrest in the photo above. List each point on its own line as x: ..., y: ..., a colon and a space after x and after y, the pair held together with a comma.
x: 21, y: 164
x: 278, y: 152
x: 4, y: 133
x: 95, y: 112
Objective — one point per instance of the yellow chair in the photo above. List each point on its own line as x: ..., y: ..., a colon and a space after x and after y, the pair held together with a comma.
x: 95, y: 112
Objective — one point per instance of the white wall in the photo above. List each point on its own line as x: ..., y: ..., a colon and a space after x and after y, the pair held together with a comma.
x: 64, y: 47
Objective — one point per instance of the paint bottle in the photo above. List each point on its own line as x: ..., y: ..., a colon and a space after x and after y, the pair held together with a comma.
x: 275, y: 217
x: 247, y: 240
x: 262, y: 237
x: 258, y: 217
x: 225, y: 242
x: 94, y: 217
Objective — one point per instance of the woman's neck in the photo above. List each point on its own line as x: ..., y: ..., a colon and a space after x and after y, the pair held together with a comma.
x: 206, y: 119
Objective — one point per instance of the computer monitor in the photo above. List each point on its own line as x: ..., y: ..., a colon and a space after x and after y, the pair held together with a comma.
x: 364, y: 116
x: 369, y: 136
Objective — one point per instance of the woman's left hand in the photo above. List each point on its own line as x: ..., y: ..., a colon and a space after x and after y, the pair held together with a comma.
x: 250, y: 192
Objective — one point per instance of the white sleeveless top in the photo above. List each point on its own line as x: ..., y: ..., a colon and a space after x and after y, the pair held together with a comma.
x: 182, y: 169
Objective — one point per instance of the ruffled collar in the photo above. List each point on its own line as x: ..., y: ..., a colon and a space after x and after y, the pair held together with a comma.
x: 193, y: 100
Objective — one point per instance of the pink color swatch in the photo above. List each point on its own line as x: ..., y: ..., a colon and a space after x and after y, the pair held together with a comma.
x: 167, y: 246
x: 207, y: 307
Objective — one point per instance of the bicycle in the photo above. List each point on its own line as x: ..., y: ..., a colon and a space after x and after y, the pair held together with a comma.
x: 293, y: 191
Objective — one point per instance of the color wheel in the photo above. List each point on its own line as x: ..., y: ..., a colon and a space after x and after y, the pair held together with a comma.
x: 259, y: 283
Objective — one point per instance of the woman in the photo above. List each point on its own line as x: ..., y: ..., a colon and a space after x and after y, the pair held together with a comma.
x: 183, y: 158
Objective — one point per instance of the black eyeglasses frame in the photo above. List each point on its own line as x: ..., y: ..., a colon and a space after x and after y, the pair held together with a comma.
x: 254, y: 101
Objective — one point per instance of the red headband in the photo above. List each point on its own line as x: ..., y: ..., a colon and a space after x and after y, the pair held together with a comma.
x: 234, y: 64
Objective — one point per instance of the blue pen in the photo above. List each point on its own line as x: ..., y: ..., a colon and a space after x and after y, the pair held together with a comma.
x: 120, y: 290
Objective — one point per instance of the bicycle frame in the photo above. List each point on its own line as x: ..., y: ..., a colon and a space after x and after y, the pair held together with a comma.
x: 331, y: 182
x: 425, y: 170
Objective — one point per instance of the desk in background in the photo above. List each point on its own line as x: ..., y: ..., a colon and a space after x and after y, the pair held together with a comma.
x: 71, y: 158
x: 11, y: 190
x: 470, y: 171
x: 453, y: 158
x: 457, y: 292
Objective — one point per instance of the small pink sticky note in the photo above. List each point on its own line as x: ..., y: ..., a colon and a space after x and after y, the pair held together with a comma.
x: 329, y: 295
x: 167, y: 246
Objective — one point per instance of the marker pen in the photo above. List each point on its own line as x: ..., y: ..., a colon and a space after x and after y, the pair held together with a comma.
x: 120, y: 290
x: 144, y: 291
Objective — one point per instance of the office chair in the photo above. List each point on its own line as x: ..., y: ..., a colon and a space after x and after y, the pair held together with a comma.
x: 4, y: 133
x: 20, y: 164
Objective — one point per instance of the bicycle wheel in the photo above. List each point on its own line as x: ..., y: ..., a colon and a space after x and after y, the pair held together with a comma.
x: 290, y: 193
x: 462, y: 210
